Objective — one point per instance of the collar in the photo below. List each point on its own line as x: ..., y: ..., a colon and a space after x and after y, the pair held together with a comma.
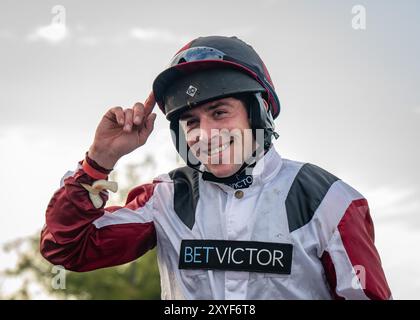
x: 263, y: 171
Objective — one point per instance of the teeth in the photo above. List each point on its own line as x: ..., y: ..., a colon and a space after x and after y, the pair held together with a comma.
x: 219, y: 149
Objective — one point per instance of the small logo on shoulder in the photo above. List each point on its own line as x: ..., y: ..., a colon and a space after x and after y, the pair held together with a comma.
x: 191, y: 91
x: 253, y: 256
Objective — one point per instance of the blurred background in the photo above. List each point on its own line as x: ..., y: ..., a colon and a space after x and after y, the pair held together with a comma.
x: 347, y: 74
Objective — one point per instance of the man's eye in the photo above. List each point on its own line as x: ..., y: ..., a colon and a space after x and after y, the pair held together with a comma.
x: 191, y: 122
x: 219, y: 113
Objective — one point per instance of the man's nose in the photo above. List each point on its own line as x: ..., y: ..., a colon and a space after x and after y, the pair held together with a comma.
x: 208, y: 129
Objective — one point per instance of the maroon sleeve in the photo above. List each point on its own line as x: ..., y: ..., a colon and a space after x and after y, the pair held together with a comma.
x: 351, y: 262
x: 71, y: 239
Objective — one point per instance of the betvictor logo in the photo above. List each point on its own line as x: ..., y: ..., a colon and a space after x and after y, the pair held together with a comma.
x: 243, y: 183
x: 254, y: 256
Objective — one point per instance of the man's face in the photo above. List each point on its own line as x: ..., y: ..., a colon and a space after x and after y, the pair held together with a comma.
x: 219, y: 135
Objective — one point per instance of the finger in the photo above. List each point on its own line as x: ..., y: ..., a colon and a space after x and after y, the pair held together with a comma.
x: 149, y: 104
x: 116, y: 114
x: 128, y: 123
x: 150, y: 123
x: 138, y: 113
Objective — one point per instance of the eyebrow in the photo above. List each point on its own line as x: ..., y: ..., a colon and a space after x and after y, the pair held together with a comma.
x: 211, y: 107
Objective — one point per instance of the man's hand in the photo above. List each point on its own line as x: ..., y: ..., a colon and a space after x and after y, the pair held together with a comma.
x: 122, y: 131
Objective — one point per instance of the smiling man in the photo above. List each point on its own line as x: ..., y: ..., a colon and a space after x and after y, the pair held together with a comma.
x: 239, y: 221
x: 219, y: 134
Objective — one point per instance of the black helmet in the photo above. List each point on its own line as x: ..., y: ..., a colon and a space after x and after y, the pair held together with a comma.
x: 214, y: 52
x: 214, y: 67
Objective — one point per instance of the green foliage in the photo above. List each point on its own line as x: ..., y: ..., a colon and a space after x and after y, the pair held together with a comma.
x: 135, y: 280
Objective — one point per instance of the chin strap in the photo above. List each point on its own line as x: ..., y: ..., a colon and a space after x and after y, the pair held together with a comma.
x: 242, y: 179
x: 239, y: 180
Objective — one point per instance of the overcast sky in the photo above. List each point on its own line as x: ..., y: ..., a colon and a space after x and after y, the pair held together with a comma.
x: 350, y: 98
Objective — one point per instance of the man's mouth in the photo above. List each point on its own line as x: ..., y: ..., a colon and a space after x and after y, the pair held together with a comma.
x: 218, y: 149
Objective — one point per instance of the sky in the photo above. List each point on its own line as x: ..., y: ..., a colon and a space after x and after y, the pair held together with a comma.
x: 350, y: 97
